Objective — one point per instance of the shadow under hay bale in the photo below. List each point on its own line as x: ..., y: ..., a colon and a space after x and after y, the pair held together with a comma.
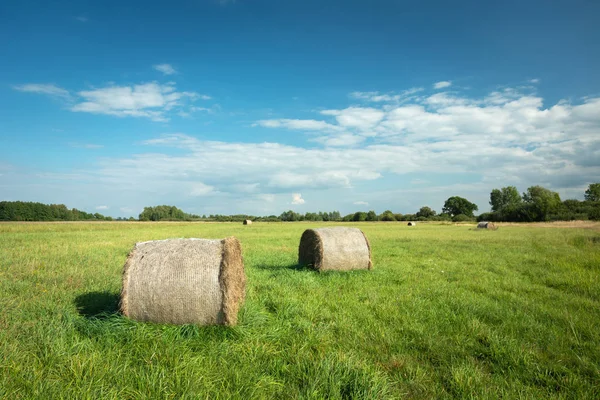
x: 97, y: 304
x: 486, y: 225
x: 184, y: 281
x: 339, y: 249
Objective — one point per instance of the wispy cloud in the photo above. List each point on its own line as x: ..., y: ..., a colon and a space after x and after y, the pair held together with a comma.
x: 48, y: 89
x: 297, y: 124
x: 378, y: 97
x: 442, y: 84
x: 534, y: 81
x: 340, y: 140
x: 268, y: 197
x: 507, y: 137
x: 361, y: 203
x: 81, y: 18
x: 200, y: 189
x: 149, y: 100
x: 86, y: 145
x: 102, y: 208
x: 166, y: 69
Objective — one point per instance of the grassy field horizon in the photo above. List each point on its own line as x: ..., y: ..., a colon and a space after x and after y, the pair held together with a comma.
x: 448, y: 311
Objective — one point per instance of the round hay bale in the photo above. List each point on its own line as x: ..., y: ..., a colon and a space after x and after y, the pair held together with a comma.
x: 411, y: 224
x: 184, y: 281
x: 339, y: 249
x: 486, y: 225
x: 247, y: 222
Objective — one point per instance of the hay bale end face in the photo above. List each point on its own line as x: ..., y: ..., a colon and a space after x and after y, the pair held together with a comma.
x: 486, y: 225
x: 247, y: 222
x: 184, y: 281
x: 412, y: 224
x: 339, y: 249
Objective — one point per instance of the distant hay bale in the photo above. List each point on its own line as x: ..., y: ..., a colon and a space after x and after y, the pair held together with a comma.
x: 338, y: 249
x: 412, y: 224
x: 247, y: 222
x: 184, y: 281
x: 486, y: 225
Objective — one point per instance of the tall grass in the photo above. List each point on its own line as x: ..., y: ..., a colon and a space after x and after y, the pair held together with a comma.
x: 447, y: 312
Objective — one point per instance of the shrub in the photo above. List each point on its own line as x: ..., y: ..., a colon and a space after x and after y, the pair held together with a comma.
x: 462, y: 218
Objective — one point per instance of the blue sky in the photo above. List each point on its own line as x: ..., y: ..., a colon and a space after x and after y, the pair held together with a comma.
x: 262, y: 106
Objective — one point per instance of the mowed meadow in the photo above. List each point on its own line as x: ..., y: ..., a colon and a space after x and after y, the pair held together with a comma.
x: 447, y: 312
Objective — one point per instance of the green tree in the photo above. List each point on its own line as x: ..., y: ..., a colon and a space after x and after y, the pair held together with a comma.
x: 593, y: 192
x: 425, y: 212
x: 542, y: 202
x: 160, y: 213
x: 507, y: 196
x: 335, y: 216
x: 371, y: 216
x: 456, y: 205
x: 289, y: 216
x: 360, y: 216
x: 387, y: 215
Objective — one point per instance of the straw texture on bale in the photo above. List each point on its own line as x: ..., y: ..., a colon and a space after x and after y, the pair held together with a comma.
x: 411, y: 224
x: 486, y: 225
x: 184, y: 281
x: 247, y: 222
x: 338, y: 249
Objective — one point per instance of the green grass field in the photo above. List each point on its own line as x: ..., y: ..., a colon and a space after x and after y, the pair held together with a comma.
x: 447, y: 312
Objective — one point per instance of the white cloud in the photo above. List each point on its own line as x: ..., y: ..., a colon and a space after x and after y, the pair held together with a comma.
x: 506, y: 137
x: 102, y: 208
x: 361, y: 203
x: 200, y: 189
x: 378, y: 97
x: 149, y: 100
x: 166, y: 69
x: 442, y: 84
x: 341, y: 140
x: 297, y: 124
x: 297, y: 198
x: 534, y: 81
x: 81, y: 18
x: 362, y: 118
x: 44, y: 88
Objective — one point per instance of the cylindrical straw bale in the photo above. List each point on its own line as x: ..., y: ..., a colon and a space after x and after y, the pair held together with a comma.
x: 338, y: 249
x: 184, y: 281
x: 486, y: 225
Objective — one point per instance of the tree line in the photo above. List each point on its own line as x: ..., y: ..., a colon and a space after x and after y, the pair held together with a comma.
x: 31, y: 211
x: 541, y: 204
x: 507, y: 205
